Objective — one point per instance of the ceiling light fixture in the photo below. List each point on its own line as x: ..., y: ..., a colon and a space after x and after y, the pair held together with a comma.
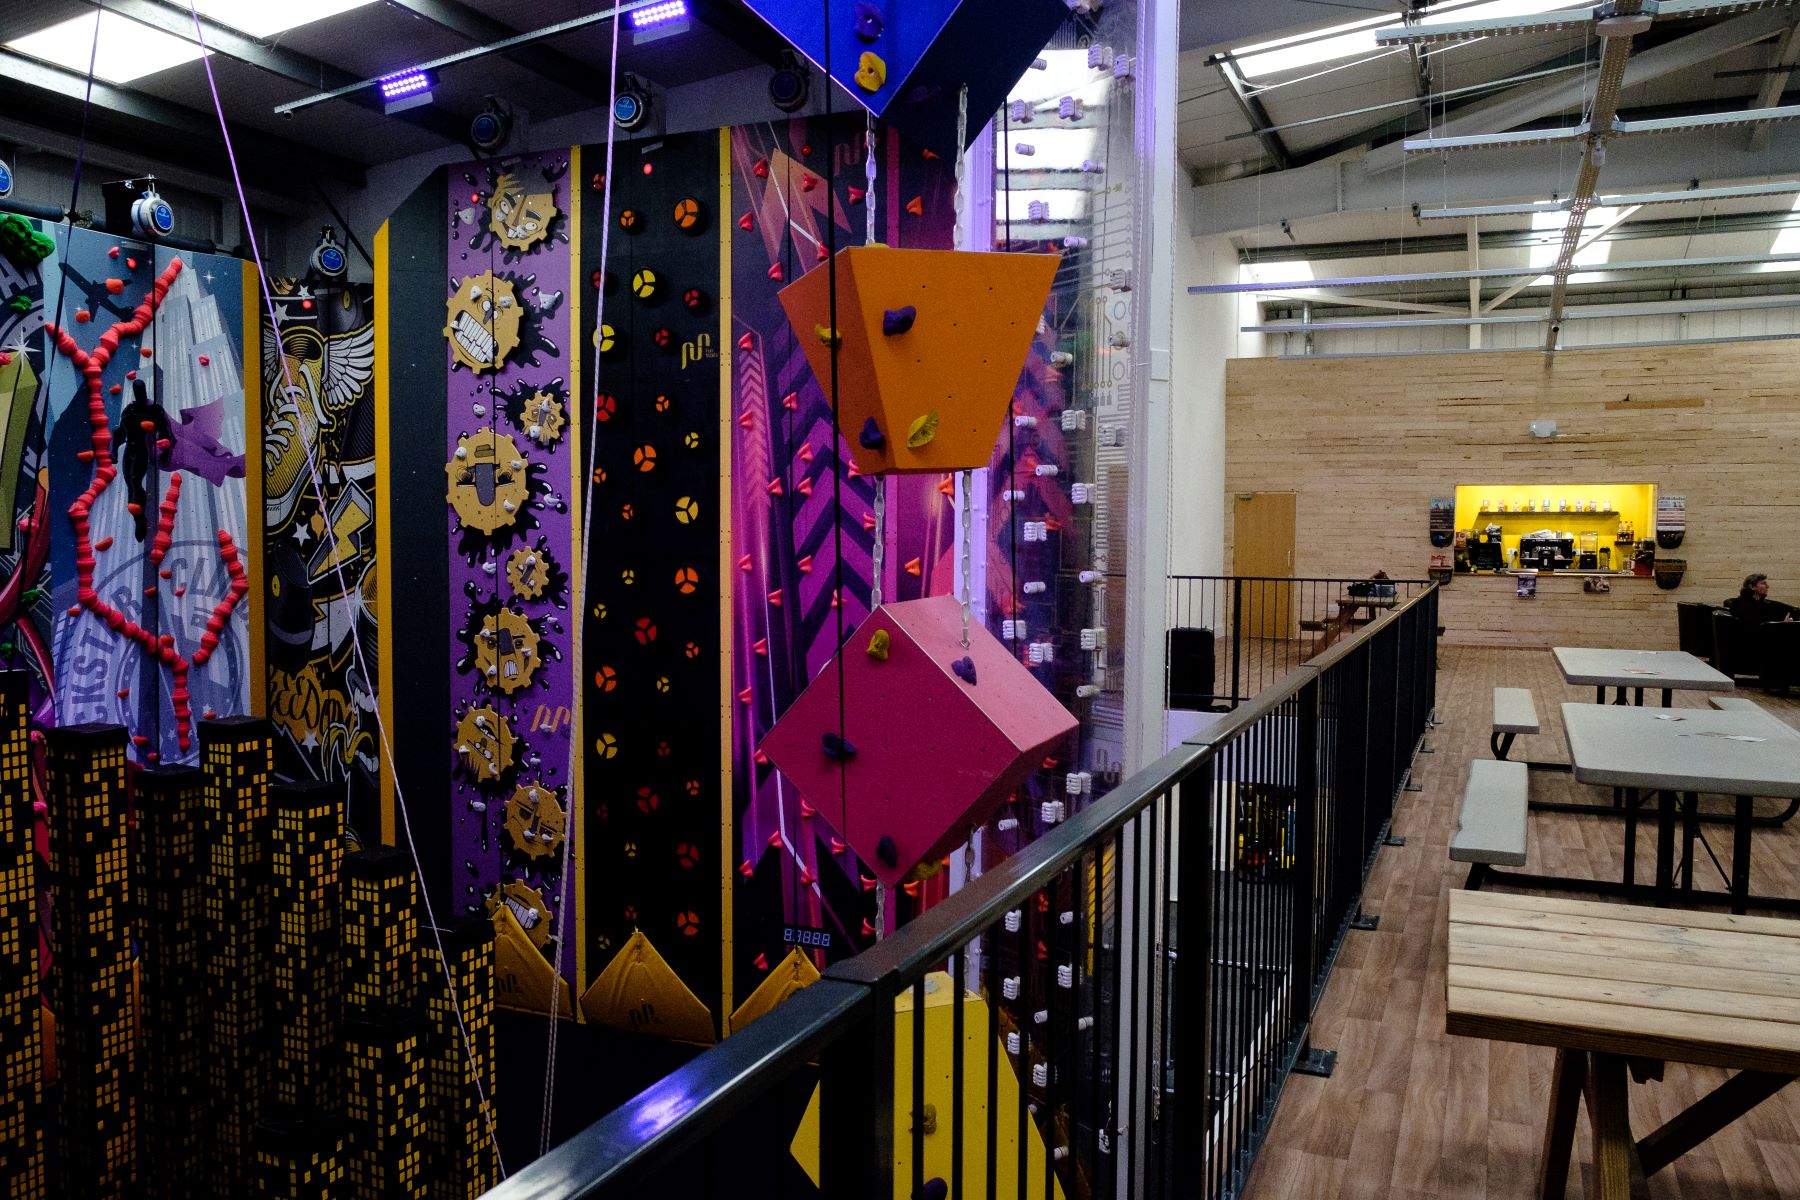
x: 657, y: 21
x: 405, y: 89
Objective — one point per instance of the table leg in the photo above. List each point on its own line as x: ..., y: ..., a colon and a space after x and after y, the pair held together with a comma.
x: 1637, y: 695
x: 1665, y: 846
x: 1707, y: 1116
x: 1617, y: 1175
x: 1600, y: 693
x: 1631, y: 824
x: 1559, y: 1130
x: 1690, y: 828
x: 1668, y: 697
x: 1740, y: 855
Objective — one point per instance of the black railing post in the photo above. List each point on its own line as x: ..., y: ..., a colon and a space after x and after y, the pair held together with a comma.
x: 1191, y: 1020
x: 1237, y: 636
x: 1306, y: 850
x: 856, y: 1108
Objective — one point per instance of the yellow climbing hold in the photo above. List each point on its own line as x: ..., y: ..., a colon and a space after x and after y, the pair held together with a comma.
x: 878, y: 646
x: 871, y: 72
x: 826, y: 335
x: 922, y: 430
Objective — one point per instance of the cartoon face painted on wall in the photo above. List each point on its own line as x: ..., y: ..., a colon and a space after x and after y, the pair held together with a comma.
x: 517, y: 218
x: 483, y: 321
x: 487, y: 481
x: 506, y: 651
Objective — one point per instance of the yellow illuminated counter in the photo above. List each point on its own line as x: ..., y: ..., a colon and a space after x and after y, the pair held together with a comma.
x: 1604, y: 520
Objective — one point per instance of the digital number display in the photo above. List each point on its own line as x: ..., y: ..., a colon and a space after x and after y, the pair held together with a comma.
x: 800, y: 935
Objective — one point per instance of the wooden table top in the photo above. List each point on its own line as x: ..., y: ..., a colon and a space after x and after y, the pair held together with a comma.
x: 1691, y: 987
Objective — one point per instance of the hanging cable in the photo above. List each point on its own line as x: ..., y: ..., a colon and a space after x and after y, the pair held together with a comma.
x: 337, y: 560
x: 878, y: 554
x: 967, y: 483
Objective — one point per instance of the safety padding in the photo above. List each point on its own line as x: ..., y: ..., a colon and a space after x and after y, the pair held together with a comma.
x: 639, y: 993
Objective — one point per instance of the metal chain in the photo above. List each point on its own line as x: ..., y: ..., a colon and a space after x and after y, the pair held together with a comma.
x: 962, y: 165
x: 968, y: 538
x: 873, y: 139
x: 880, y: 551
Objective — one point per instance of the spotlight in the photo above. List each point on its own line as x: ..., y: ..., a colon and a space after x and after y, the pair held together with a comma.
x: 489, y: 128
x: 6, y: 180
x: 790, y: 87
x: 328, y: 256
x: 405, y: 89
x: 657, y: 21
x: 631, y: 106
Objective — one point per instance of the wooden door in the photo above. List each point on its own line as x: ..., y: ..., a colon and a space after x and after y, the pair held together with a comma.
x: 1262, y: 539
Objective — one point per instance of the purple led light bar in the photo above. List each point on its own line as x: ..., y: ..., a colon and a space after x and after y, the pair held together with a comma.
x: 659, y: 14
x: 405, y: 83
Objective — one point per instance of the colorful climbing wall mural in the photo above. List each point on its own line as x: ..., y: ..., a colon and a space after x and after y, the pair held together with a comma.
x: 796, y: 502
x: 511, y: 457
x: 319, y: 529
x: 652, y: 641
x: 146, y: 438
x: 25, y: 602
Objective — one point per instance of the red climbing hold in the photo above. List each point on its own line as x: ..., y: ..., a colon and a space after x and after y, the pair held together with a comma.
x: 103, y: 544
x: 857, y: 194
x: 761, y: 759
x: 744, y: 696
x: 807, y: 878
x: 947, y: 486
x: 791, y: 402
x: 760, y: 962
x: 83, y: 316
x: 145, y: 352
x: 116, y: 388
x: 746, y: 869
x: 746, y: 342
x: 805, y: 453
x: 838, y: 846
x: 869, y: 522
x: 775, y: 598
x: 912, y: 566
x: 774, y: 488
x: 808, y: 182
x: 115, y: 286
x: 744, y: 563
x: 916, y: 206
x: 805, y: 564
x: 868, y: 930
x: 761, y: 647
x: 807, y: 811
x: 804, y: 487
x: 747, y: 419
x: 122, y: 693
x: 113, y: 253
x: 760, y: 168
x: 930, y: 154
x: 821, y: 254
x: 205, y: 361
x: 131, y: 264
x: 747, y: 222
x: 776, y: 273
x: 775, y: 839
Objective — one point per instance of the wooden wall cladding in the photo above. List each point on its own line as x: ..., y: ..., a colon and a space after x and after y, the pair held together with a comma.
x: 1366, y: 442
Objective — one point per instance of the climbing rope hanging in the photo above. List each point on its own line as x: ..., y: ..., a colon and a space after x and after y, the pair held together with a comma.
x: 967, y: 503
x: 878, y: 554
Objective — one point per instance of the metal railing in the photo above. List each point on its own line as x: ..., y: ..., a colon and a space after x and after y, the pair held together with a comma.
x: 1143, y: 977
x: 1231, y: 636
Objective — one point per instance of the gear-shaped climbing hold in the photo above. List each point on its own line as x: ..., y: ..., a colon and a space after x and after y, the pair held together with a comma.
x: 543, y: 418
x: 517, y: 218
x: 535, y: 821
x: 483, y: 321
x: 486, y: 743
x: 528, y: 572
x: 527, y: 904
x: 488, y: 482
x: 506, y: 651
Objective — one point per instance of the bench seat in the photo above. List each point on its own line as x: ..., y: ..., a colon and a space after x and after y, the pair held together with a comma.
x: 1491, y: 826
x: 1515, y: 712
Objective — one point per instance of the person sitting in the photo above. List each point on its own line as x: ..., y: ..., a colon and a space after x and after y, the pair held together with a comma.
x: 1752, y: 602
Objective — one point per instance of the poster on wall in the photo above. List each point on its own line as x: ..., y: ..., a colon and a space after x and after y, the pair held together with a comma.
x: 320, y: 538
x: 510, y: 456
x: 1671, y: 520
x: 147, y: 440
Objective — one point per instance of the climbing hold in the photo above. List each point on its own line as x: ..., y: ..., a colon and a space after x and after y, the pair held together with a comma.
x: 857, y: 194
x: 836, y: 747
x: 83, y: 316
x: 747, y: 419
x: 947, y: 486
x: 643, y: 285
x: 871, y: 71
x: 760, y: 962
x: 791, y: 402
x: 776, y: 273
x: 868, y: 24
x: 887, y: 852
x: 805, y: 564
x: 922, y: 430
x: 868, y: 522
x: 827, y: 335
x: 913, y: 567
x: 760, y: 168
x: 744, y: 563
x: 687, y: 214
x: 804, y: 487
x: 822, y: 254
x: 115, y: 286
x: 694, y: 299
x: 871, y: 436
x: 774, y: 488
x: 747, y: 869
x: 916, y: 206
x: 113, y: 253
x: 628, y: 219
x: 808, y: 182
x: 896, y: 321
x: 879, y: 642
x: 205, y: 361
x: 746, y: 342
x: 775, y: 598
x: 761, y: 647
x: 807, y: 811
x: 965, y: 669
x: 747, y: 222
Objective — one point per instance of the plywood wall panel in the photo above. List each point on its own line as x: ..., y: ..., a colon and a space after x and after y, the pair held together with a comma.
x: 1366, y: 442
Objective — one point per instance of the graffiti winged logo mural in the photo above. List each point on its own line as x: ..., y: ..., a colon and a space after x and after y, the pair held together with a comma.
x: 319, y: 526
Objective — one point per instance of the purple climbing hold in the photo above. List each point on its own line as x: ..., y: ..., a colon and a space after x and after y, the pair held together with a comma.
x: 935, y: 1189
x: 887, y: 852
x: 895, y: 321
x: 965, y: 670
x: 871, y: 436
x: 836, y: 748
x: 868, y: 24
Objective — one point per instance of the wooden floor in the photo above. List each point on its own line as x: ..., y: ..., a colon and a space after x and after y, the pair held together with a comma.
x: 1413, y: 1113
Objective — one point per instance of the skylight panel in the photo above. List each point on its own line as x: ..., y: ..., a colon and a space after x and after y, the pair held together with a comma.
x: 1357, y: 38
x: 126, y: 49
x: 265, y: 18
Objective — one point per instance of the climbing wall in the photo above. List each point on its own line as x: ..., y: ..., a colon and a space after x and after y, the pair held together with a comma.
x: 319, y: 532
x: 25, y: 602
x: 652, y: 684
x: 147, y: 441
x: 511, y: 454
x: 798, y: 500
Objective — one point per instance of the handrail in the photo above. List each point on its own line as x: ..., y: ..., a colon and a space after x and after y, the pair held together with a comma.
x: 684, y: 1108
x: 1304, y: 579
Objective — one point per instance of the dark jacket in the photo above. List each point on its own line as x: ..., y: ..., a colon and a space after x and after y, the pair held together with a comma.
x: 1758, y: 609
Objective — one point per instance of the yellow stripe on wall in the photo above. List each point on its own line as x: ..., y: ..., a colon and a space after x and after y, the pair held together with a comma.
x: 577, y: 462
x: 727, y: 359
x: 253, y: 488
x: 384, y: 529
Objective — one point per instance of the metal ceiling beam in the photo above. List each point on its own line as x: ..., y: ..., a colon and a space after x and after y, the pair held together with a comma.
x: 1536, y: 103
x: 477, y: 26
x: 1619, y: 128
x: 186, y: 137
x: 1445, y: 32
x: 1778, y: 262
x: 1252, y: 109
x: 1775, y: 84
x: 178, y: 21
x: 1587, y: 312
x: 1686, y: 196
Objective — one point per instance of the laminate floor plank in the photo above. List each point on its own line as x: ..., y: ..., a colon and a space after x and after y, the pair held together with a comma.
x: 1415, y: 1112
